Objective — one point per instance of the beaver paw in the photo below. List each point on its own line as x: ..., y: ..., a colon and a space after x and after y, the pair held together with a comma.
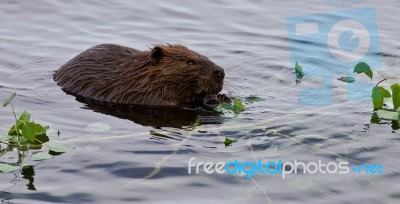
x: 211, y: 100
x: 224, y: 98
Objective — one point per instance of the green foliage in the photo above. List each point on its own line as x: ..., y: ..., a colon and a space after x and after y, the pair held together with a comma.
x: 363, y: 67
x: 378, y: 96
x: 9, y: 99
x: 228, y: 141
x: 25, y: 135
x: 398, y: 117
x: 57, y: 148
x: 396, y: 96
x: 28, y: 129
x: 380, y: 93
x: 41, y: 156
x: 252, y: 99
x: 223, y: 106
x: 298, y: 71
x: 4, y: 138
x: 387, y: 115
x: 6, y: 168
x: 237, y: 106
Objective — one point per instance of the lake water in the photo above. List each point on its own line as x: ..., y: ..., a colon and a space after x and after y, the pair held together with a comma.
x: 117, y: 160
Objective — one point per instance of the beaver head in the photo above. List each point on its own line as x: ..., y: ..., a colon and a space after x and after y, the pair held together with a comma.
x: 182, y: 76
x: 165, y: 75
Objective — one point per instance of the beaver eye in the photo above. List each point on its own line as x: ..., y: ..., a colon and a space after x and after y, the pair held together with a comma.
x: 190, y: 62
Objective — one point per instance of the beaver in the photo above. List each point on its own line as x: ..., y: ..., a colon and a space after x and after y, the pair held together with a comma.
x: 164, y: 75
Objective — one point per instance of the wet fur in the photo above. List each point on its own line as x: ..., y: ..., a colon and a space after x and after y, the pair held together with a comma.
x: 166, y: 75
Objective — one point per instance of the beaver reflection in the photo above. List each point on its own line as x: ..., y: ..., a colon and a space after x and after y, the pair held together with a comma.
x: 155, y: 116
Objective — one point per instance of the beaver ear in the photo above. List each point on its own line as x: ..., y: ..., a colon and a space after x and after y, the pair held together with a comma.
x: 156, y: 55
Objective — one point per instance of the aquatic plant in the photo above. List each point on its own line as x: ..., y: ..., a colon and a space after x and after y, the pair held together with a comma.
x: 228, y: 141
x: 238, y: 105
x: 25, y: 134
x: 380, y: 93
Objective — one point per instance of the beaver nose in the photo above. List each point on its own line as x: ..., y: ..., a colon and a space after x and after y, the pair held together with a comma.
x: 218, y: 73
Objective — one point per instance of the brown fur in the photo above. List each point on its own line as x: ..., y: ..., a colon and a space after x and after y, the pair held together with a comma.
x: 166, y: 75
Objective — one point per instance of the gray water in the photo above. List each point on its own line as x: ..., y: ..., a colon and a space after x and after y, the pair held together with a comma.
x: 121, y: 161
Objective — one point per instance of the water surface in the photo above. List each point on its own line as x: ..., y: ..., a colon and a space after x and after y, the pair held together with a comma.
x: 128, y: 164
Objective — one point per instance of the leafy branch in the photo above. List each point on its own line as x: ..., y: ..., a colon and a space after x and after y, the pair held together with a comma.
x: 24, y: 135
x: 380, y: 94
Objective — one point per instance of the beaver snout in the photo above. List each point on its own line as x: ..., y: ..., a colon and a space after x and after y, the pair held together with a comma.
x: 218, y: 73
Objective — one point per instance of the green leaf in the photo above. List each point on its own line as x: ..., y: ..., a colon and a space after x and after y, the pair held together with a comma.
x: 378, y: 96
x: 28, y: 130
x: 228, y: 141
x: 5, y: 137
x: 6, y: 168
x: 396, y: 95
x: 252, y: 99
x: 223, y: 106
x: 298, y: 70
x: 21, y: 141
x: 9, y: 99
x: 41, y: 156
x: 398, y: 118
x: 40, y: 130
x: 12, y: 131
x: 58, y: 148
x: 388, y: 115
x: 237, y: 105
x: 25, y: 117
x: 347, y: 79
x: 40, y: 139
x: 363, y: 67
